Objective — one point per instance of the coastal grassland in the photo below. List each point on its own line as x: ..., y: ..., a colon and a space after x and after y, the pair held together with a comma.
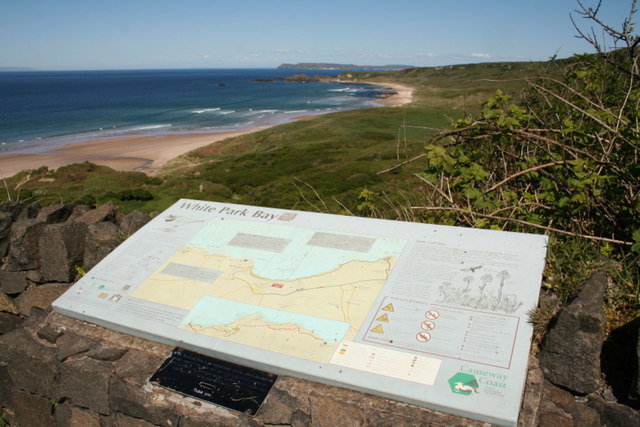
x: 460, y: 87
x: 307, y: 164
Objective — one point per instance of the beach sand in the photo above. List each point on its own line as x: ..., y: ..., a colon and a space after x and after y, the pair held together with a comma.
x: 142, y: 153
x: 131, y: 153
x: 403, y: 94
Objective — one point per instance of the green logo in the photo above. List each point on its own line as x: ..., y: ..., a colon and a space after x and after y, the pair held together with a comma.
x: 462, y: 383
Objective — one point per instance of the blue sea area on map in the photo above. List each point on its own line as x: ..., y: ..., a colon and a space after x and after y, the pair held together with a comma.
x: 212, y: 311
x: 298, y: 259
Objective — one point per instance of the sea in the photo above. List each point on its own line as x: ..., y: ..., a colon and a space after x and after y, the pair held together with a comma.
x: 41, y: 109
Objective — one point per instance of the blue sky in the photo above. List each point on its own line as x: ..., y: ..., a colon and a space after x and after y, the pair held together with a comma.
x: 125, y: 34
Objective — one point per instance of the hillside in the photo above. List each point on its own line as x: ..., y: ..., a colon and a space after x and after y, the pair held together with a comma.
x: 328, y: 66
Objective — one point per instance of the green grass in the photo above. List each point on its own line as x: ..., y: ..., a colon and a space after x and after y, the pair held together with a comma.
x: 317, y: 163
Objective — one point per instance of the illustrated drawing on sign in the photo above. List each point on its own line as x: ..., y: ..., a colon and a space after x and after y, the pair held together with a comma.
x: 481, y: 290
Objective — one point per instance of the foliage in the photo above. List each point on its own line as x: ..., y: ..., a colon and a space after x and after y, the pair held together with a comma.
x: 562, y: 158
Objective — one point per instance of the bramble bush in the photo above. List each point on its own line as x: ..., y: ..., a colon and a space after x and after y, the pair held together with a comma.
x: 565, y: 158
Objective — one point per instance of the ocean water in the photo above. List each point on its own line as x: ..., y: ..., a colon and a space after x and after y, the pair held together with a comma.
x: 42, y: 109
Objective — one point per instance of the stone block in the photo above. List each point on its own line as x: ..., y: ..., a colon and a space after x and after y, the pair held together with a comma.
x: 54, y: 214
x: 6, y: 386
x: 101, y: 239
x: 78, y: 211
x: 49, y: 333
x: 12, y: 207
x: 141, y: 402
x: 32, y: 366
x: 8, y: 322
x: 133, y: 221
x: 614, y: 414
x: 106, y: 352
x: 61, y: 250
x: 120, y: 420
x: 136, y: 367
x: 279, y: 407
x: 570, y: 355
x: 70, y: 344
x: 70, y: 416
x: 40, y: 297
x: 329, y: 412
x: 7, y: 304
x: 85, y: 382
x: 31, y: 409
x: 6, y: 220
x: 107, y: 212
x: 24, y: 245
x: 13, y: 282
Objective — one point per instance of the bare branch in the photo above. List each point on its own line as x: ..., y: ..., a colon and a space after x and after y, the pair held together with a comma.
x: 527, y: 223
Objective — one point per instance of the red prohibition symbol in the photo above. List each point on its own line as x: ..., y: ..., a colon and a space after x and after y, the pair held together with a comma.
x: 428, y: 325
x: 432, y: 314
x: 423, y: 336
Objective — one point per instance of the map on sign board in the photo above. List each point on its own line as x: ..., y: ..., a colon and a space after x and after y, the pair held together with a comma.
x: 297, y: 291
x: 431, y: 315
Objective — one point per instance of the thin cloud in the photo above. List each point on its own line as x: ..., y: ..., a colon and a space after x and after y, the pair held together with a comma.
x: 481, y: 55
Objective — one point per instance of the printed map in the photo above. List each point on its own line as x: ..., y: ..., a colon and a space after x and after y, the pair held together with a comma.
x: 293, y: 290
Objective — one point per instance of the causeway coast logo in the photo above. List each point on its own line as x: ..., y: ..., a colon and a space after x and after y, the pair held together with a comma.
x: 462, y: 383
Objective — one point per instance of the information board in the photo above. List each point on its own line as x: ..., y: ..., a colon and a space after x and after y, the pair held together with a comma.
x: 431, y: 315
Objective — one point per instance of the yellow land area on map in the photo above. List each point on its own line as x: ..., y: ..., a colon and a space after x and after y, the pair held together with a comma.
x: 344, y: 293
x: 284, y: 338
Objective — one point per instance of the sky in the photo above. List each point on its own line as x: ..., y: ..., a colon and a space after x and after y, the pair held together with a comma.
x: 137, y: 34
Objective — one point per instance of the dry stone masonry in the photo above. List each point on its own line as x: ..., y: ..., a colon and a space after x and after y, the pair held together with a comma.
x: 58, y: 371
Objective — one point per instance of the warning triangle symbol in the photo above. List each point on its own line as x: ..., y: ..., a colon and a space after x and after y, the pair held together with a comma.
x: 388, y: 307
x: 378, y: 329
x: 383, y: 318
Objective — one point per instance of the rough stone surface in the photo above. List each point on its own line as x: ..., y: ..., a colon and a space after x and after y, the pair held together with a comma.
x: 61, y: 250
x: 101, y: 239
x: 55, y: 213
x: 532, y: 394
x: 124, y: 421
x: 133, y: 221
x: 49, y: 333
x: 107, y: 212
x: 85, y: 382
x: 102, y: 351
x: 8, y: 322
x: 31, y: 366
x: 6, y: 220
x: 12, y: 207
x: 13, y: 282
x: 300, y: 419
x: 31, y: 409
x: 70, y: 344
x: 570, y: 355
x: 70, y: 416
x: 329, y: 412
x: 612, y: 414
x: 78, y: 211
x: 6, y: 386
x: 40, y: 297
x: 24, y: 245
x: 7, y: 304
x: 134, y: 400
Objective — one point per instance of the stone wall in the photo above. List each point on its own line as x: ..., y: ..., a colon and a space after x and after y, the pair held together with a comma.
x: 60, y: 371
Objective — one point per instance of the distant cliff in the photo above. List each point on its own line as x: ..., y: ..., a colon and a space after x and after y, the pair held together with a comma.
x: 349, y: 67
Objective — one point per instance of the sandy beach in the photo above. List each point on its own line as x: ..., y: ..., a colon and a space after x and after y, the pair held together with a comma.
x: 144, y: 153
x: 403, y: 94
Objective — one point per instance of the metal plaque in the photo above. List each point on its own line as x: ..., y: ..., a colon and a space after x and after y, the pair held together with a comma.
x: 206, y: 378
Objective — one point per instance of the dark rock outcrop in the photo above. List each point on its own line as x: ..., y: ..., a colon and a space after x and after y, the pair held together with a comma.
x: 570, y: 355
